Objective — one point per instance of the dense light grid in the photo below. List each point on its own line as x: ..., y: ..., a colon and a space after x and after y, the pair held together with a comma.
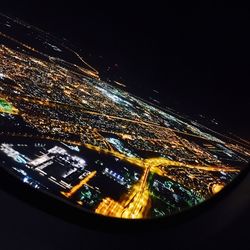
x: 69, y: 133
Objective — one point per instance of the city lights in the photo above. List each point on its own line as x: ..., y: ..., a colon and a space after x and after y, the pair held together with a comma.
x: 67, y: 132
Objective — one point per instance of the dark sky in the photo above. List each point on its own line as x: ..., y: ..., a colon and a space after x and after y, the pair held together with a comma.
x: 197, y: 58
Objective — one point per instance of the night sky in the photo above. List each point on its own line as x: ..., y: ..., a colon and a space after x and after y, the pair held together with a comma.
x: 197, y: 58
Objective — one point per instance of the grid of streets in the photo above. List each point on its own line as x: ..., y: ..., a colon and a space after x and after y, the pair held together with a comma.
x: 65, y: 131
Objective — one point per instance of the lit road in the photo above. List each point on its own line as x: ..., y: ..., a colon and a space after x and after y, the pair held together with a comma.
x: 64, y: 129
x: 79, y: 185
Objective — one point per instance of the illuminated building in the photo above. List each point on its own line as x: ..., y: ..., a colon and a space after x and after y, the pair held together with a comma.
x: 66, y: 131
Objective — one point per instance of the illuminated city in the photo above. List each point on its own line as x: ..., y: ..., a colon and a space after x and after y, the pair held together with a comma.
x: 67, y: 132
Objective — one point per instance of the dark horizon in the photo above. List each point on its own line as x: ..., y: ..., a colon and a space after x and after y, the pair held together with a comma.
x: 195, y: 58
